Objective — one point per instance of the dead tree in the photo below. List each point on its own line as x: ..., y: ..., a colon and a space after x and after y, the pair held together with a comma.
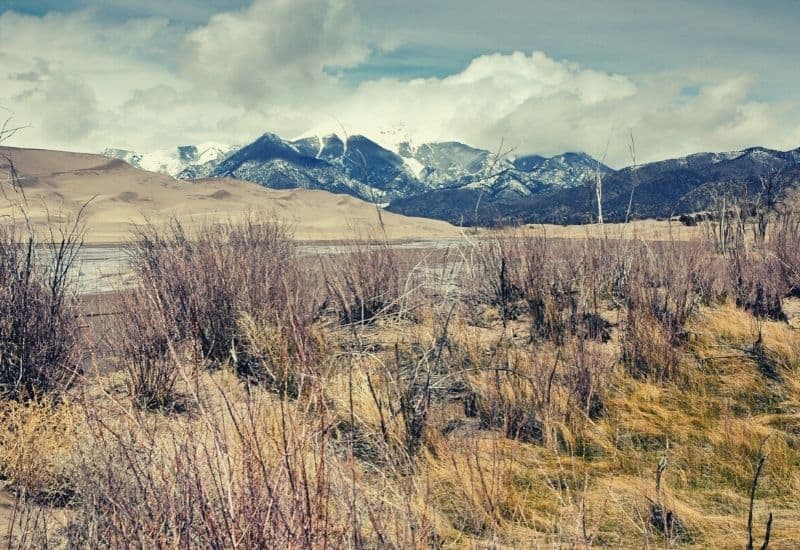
x: 598, y: 180
x: 634, y: 174
x: 765, y: 544
x: 765, y: 204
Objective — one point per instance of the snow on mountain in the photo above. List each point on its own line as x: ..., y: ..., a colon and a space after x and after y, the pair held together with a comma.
x: 414, y: 166
x: 356, y: 166
x: 186, y: 161
x: 360, y: 166
x: 658, y: 189
x: 449, y: 180
x: 560, y: 171
x: 453, y: 164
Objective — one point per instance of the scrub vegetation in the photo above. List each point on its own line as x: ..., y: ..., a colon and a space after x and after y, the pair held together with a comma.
x: 516, y: 390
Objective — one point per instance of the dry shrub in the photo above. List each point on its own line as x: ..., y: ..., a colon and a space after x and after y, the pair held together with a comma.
x: 384, y: 400
x: 513, y: 399
x: 650, y: 347
x: 558, y: 284
x: 758, y: 284
x: 38, y: 324
x: 206, y: 281
x: 784, y: 243
x: 142, y: 345
x: 252, y: 470
x: 269, y: 354
x: 495, y: 274
x: 366, y: 403
x: 427, y: 430
x: 545, y: 397
x: 472, y: 486
x: 760, y: 275
x: 666, y: 285
x: 565, y: 285
x: 204, y: 489
x: 368, y: 280
x: 549, y: 290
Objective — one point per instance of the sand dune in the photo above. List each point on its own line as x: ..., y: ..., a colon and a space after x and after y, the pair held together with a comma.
x: 57, y: 184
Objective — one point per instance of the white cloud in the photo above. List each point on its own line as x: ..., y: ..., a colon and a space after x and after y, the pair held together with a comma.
x: 538, y: 104
x: 66, y: 75
x: 85, y: 83
x: 69, y: 103
x: 275, y: 50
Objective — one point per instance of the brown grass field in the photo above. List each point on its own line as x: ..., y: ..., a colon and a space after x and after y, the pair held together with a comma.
x: 631, y: 386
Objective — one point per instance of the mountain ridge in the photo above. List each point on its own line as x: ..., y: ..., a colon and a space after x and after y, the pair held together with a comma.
x: 660, y: 190
x: 456, y: 182
x: 362, y: 167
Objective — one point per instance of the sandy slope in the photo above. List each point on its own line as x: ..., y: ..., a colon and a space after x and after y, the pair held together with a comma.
x: 121, y: 195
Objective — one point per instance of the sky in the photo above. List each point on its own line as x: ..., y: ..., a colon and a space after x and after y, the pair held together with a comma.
x: 528, y: 76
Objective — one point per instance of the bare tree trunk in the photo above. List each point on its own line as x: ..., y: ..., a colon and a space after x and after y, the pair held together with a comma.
x: 632, y: 151
x: 598, y: 181
x: 598, y: 190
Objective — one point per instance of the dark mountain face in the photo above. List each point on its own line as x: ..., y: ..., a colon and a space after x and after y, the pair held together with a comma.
x: 663, y: 189
x: 358, y: 167
x: 187, y: 153
x: 655, y: 190
x: 275, y: 163
x: 366, y: 161
x: 267, y: 148
x: 328, y: 148
x: 361, y: 167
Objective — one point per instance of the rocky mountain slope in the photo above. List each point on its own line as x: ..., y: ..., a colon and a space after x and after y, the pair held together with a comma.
x: 455, y: 182
x: 361, y: 167
x: 655, y: 190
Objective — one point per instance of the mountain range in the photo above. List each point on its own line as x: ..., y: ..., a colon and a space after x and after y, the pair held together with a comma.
x: 465, y: 185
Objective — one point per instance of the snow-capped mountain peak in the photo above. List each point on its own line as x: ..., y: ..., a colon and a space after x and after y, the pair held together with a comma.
x: 195, y: 160
x: 360, y: 166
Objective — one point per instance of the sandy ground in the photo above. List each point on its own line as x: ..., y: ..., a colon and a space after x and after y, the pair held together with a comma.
x: 120, y: 196
x: 640, y: 229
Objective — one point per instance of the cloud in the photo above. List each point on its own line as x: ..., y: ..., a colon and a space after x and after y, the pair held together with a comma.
x: 66, y: 75
x: 539, y: 104
x: 152, y: 99
x: 275, y: 50
x: 84, y: 83
x: 41, y: 67
x: 69, y: 104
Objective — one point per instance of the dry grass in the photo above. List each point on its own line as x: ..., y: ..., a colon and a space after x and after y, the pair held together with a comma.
x: 37, y: 446
x: 525, y: 399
